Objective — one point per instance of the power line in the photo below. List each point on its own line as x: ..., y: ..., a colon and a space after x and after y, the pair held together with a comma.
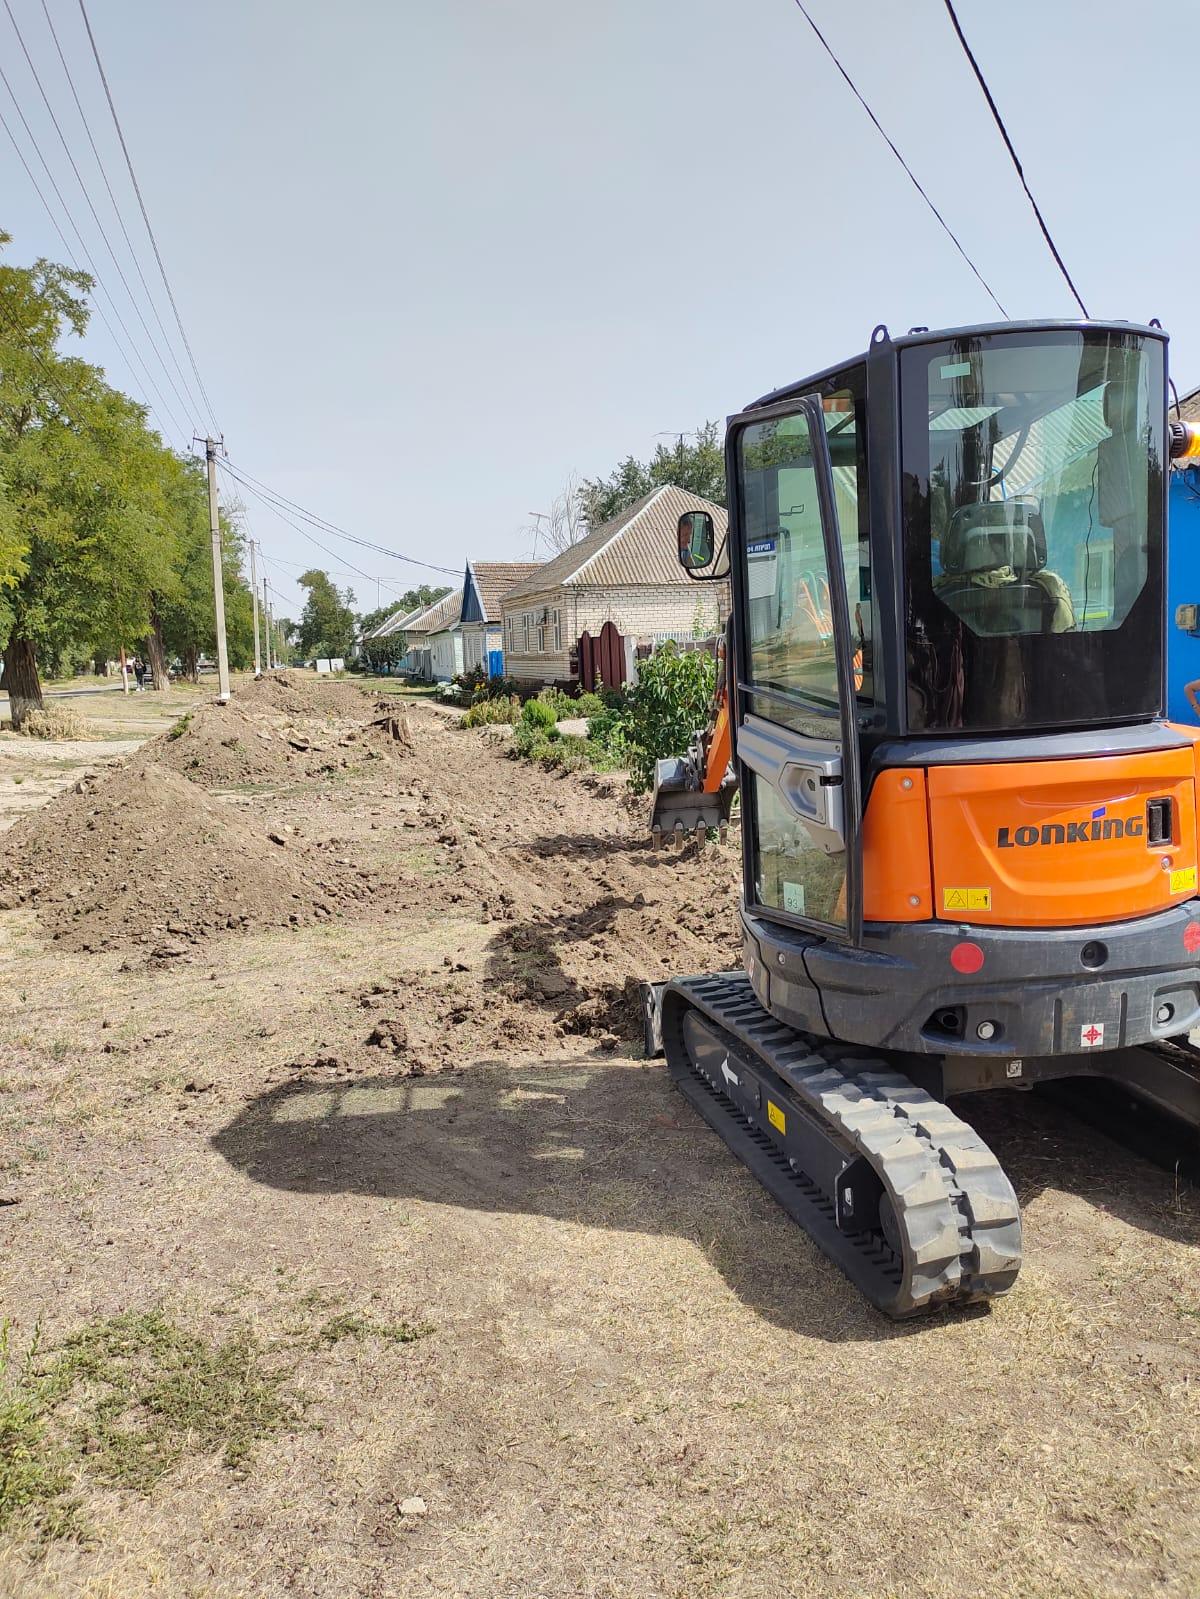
x: 137, y: 189
x: 131, y: 354
x: 88, y: 200
x: 275, y: 500
x: 950, y: 234
x: 302, y: 566
x: 87, y: 128
x: 303, y: 531
x: 999, y: 121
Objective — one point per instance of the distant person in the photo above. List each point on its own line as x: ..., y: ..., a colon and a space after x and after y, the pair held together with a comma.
x: 139, y: 671
x: 1192, y: 690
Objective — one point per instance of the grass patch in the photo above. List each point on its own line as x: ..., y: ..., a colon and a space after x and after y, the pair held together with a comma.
x: 179, y: 728
x: 126, y: 1399
x: 354, y: 1325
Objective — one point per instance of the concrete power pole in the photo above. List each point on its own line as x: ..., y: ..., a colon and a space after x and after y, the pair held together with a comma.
x: 254, y: 592
x: 214, y: 523
x: 268, y: 630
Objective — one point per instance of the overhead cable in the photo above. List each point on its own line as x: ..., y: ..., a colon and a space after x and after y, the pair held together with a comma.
x: 276, y: 500
x: 131, y: 354
x: 137, y: 189
x: 297, y: 526
x: 91, y: 207
x: 87, y: 128
x: 948, y: 230
x: 999, y: 121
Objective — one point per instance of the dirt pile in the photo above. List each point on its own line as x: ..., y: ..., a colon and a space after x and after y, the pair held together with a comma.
x: 281, y: 730
x: 142, y: 856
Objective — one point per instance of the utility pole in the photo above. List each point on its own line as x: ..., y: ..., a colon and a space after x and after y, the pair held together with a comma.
x: 254, y: 592
x: 267, y: 628
x: 214, y: 523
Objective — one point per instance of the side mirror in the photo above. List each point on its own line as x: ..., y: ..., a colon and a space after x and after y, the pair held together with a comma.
x: 697, y: 540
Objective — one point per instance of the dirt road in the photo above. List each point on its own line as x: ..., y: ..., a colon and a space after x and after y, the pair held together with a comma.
x: 526, y: 1330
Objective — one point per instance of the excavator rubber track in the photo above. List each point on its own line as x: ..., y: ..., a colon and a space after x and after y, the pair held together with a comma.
x: 897, y: 1190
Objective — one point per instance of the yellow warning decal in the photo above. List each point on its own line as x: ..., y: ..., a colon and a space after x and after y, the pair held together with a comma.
x: 1182, y: 881
x: 775, y: 1116
x: 968, y: 899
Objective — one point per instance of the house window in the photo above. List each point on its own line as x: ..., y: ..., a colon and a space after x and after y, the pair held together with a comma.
x: 541, y: 639
x: 557, y: 630
x: 525, y: 632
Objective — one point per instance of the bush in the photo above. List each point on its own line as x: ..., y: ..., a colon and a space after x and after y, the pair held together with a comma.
x: 486, y: 713
x: 539, y: 713
x: 587, y: 704
x: 561, y: 703
x: 669, y: 702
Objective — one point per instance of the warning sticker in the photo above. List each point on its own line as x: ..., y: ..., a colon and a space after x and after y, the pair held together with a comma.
x: 966, y: 899
x: 1091, y: 1035
x: 1182, y: 881
x: 775, y: 1116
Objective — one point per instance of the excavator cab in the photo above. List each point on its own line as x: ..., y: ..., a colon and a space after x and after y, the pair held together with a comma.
x: 969, y: 836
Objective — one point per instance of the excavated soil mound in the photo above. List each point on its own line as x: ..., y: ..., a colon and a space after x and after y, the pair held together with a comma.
x: 142, y: 855
x: 281, y: 729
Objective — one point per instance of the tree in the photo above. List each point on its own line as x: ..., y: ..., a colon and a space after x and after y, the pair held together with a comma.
x: 698, y: 466
x: 566, y: 521
x: 84, y: 536
x: 326, y: 626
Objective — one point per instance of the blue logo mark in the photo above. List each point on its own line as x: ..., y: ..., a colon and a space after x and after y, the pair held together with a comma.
x: 1099, y: 812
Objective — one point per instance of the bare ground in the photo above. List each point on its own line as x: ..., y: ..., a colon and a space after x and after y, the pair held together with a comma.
x: 426, y: 1109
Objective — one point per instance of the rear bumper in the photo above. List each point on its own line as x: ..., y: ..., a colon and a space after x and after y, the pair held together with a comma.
x: 1036, y: 986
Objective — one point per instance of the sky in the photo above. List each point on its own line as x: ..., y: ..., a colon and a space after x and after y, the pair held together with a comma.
x: 434, y: 258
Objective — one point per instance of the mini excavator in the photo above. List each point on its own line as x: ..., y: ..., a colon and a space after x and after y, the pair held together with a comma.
x: 969, y: 834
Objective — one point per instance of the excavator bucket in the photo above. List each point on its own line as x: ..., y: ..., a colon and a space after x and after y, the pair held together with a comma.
x: 682, y: 809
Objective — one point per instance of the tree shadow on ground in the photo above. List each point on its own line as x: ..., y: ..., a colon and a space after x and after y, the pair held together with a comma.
x: 608, y: 1143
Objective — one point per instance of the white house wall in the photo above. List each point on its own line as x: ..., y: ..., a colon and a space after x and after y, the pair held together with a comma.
x: 649, y: 611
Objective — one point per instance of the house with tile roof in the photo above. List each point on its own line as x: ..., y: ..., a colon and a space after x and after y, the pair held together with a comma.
x: 625, y: 572
x: 485, y: 584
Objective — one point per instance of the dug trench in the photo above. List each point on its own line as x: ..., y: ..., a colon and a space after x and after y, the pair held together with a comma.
x: 538, y: 1334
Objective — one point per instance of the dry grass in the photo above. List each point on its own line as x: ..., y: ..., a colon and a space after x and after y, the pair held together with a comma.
x: 59, y: 720
x: 643, y: 1380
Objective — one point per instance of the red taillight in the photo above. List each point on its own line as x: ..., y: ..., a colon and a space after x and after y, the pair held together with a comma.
x: 968, y: 957
x: 1191, y: 937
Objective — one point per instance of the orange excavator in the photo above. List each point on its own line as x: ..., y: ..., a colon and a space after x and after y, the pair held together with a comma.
x: 969, y: 833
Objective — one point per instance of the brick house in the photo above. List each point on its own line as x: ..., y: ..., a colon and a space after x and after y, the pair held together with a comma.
x: 484, y: 586
x: 626, y: 573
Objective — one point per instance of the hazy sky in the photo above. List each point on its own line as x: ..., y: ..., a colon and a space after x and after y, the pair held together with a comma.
x: 434, y: 257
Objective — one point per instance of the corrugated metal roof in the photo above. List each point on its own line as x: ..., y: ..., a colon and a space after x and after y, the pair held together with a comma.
x: 636, y: 547
x: 396, y: 623
x: 494, y: 579
x: 440, y: 615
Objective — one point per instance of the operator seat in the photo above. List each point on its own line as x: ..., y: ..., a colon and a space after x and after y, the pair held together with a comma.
x: 990, y: 557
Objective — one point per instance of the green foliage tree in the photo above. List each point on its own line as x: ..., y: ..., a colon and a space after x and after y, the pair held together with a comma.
x: 104, y: 538
x: 697, y: 464
x: 327, y: 623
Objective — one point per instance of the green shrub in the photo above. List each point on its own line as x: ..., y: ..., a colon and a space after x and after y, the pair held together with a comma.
x: 538, y: 713
x: 588, y: 704
x: 561, y: 703
x: 527, y: 740
x: 485, y: 712
x: 669, y: 702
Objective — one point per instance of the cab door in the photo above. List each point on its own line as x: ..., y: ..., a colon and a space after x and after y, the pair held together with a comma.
x: 800, y: 662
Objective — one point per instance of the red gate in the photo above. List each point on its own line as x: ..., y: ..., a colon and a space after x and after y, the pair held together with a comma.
x: 602, y: 659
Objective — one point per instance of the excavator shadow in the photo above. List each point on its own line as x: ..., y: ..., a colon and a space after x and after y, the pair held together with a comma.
x: 608, y: 1143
